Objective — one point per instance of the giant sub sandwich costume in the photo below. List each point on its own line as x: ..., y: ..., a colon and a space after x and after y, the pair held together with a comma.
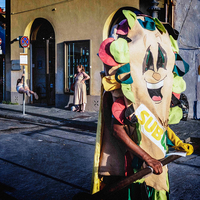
x: 141, y: 89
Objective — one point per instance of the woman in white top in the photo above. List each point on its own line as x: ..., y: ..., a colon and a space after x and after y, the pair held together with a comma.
x: 25, y: 89
x: 80, y: 94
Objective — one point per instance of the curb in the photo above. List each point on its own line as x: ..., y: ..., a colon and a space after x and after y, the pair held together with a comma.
x: 71, y: 123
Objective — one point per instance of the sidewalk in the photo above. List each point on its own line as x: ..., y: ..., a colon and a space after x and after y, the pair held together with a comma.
x: 50, y: 115
x: 87, y: 120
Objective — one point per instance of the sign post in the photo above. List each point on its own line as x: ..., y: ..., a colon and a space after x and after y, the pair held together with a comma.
x: 0, y: 46
x: 23, y: 93
x: 3, y: 69
x: 24, y: 43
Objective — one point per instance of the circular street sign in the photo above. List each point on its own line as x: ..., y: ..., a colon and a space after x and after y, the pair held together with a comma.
x: 24, y: 41
x: 0, y: 41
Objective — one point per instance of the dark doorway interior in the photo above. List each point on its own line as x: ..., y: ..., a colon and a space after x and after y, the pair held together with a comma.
x: 43, y: 58
x: 1, y: 77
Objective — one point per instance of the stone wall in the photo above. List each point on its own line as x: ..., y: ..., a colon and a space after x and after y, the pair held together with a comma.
x: 187, y: 20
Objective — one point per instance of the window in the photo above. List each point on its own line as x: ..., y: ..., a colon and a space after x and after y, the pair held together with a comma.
x: 75, y: 53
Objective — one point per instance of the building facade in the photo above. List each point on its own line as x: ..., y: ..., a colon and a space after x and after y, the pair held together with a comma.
x: 63, y: 34
x: 2, y: 52
x: 187, y: 19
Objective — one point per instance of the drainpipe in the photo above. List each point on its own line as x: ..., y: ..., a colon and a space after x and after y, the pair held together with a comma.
x: 7, y: 71
x: 31, y: 71
x: 173, y: 3
x: 154, y: 9
x: 166, y: 11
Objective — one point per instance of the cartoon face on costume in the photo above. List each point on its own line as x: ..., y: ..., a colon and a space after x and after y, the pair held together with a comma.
x: 155, y: 75
x: 143, y: 57
x: 151, y: 64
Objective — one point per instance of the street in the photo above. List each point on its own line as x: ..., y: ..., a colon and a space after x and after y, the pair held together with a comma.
x: 44, y: 161
x: 41, y: 161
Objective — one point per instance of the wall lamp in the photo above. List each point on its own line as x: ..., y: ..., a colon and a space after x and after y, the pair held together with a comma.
x: 16, y: 39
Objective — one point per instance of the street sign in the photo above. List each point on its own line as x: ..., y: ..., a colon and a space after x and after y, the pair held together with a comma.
x: 0, y: 41
x: 24, y: 42
x: 23, y: 59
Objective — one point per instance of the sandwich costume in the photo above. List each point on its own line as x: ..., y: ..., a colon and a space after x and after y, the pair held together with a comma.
x: 141, y: 88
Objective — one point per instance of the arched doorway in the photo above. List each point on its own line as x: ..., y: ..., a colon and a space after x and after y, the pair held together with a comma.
x: 43, y: 61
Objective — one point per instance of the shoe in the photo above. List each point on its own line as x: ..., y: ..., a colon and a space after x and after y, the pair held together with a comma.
x: 77, y: 110
x: 28, y: 93
x: 35, y: 95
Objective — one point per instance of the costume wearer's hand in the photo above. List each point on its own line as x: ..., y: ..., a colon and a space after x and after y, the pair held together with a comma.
x: 155, y: 164
x: 82, y: 81
x: 178, y: 144
x: 23, y: 74
x: 185, y: 147
x: 119, y: 133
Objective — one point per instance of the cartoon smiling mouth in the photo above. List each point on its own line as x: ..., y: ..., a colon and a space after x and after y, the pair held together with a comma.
x: 154, y: 90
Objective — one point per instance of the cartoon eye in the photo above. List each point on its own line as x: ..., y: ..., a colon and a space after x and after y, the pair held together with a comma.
x: 149, y: 61
x: 161, y: 62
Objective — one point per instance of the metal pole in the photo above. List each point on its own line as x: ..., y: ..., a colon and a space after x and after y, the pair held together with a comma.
x: 166, y: 11
x: 24, y: 86
x: 154, y: 9
x: 31, y: 72
x: 3, y: 79
x: 172, y: 15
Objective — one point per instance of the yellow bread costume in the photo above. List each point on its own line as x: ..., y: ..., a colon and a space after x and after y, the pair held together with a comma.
x: 139, y: 64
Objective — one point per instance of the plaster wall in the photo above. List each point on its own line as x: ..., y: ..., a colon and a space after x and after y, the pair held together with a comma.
x: 71, y: 20
x: 187, y: 20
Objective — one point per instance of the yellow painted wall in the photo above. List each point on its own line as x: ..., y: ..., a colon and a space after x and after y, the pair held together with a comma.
x: 72, y: 20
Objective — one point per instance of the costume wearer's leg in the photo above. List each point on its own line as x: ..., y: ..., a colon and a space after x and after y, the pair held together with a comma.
x: 143, y: 192
x: 154, y: 194
x: 138, y: 191
x: 157, y: 194
x: 120, y: 195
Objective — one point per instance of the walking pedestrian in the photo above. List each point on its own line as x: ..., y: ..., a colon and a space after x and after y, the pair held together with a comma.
x: 80, y: 93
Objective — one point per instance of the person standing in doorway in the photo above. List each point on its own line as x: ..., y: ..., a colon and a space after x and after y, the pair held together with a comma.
x: 80, y: 94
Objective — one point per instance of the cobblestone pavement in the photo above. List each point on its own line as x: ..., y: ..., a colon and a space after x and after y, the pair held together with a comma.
x: 184, y: 173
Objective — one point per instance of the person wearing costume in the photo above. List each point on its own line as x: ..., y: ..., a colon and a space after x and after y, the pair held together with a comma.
x: 140, y: 97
